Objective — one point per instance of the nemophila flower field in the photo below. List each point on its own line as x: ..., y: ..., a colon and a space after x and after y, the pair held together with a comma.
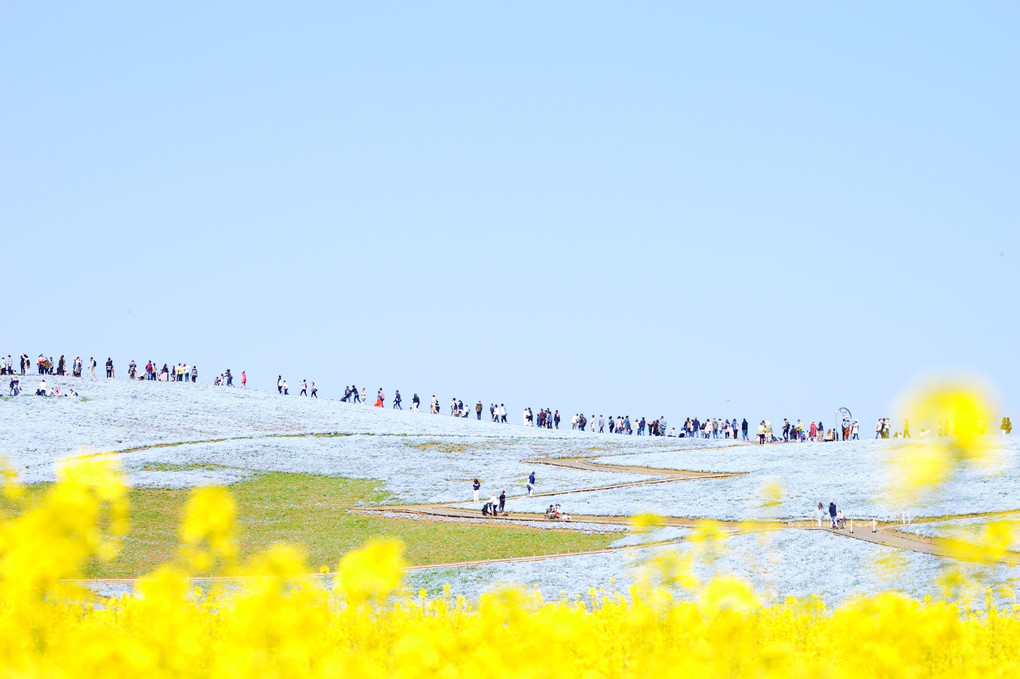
x: 759, y: 597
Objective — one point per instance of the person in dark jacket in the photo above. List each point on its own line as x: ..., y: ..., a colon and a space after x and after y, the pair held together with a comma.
x: 502, y: 500
x: 743, y: 428
x: 832, y: 512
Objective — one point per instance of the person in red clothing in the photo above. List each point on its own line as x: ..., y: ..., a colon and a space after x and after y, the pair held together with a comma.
x: 244, y: 380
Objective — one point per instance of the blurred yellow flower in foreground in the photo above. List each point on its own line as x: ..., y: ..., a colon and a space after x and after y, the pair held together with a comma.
x: 924, y: 464
x: 646, y: 522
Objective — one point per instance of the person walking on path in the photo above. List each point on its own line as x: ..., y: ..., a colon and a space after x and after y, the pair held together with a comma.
x: 415, y: 402
x: 531, y: 482
x: 832, y: 512
x: 315, y: 392
x: 304, y: 388
x: 396, y: 401
x: 820, y: 514
x: 502, y: 501
x: 476, y: 486
x: 478, y: 410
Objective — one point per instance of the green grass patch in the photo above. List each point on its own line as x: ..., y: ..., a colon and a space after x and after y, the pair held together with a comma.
x: 440, y: 446
x: 313, y: 511
x: 171, y: 467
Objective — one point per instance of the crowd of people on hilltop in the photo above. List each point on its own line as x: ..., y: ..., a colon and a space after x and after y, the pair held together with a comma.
x: 546, y: 418
x: 180, y: 372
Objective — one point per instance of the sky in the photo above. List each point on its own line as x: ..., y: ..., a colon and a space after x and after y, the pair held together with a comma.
x: 718, y: 209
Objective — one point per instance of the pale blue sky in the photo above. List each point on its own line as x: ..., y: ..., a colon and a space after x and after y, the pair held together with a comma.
x: 721, y: 209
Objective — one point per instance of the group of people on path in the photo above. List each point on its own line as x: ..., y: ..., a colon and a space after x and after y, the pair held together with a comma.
x: 306, y: 388
x: 836, y: 518
x: 47, y: 366
x: 182, y: 372
x: 497, y: 505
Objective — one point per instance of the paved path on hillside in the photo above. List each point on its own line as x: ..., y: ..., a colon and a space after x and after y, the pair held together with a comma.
x: 586, y: 464
x: 886, y: 534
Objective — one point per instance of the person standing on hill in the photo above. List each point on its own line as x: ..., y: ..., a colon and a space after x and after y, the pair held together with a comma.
x: 355, y: 396
x: 109, y: 367
x: 286, y: 390
x: 279, y: 384
x: 477, y: 486
x: 502, y: 501
x: 315, y: 392
x: 478, y: 411
x: 304, y: 388
x: 832, y: 512
x: 415, y: 402
x: 396, y: 400
x: 531, y: 482
x: 244, y: 380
